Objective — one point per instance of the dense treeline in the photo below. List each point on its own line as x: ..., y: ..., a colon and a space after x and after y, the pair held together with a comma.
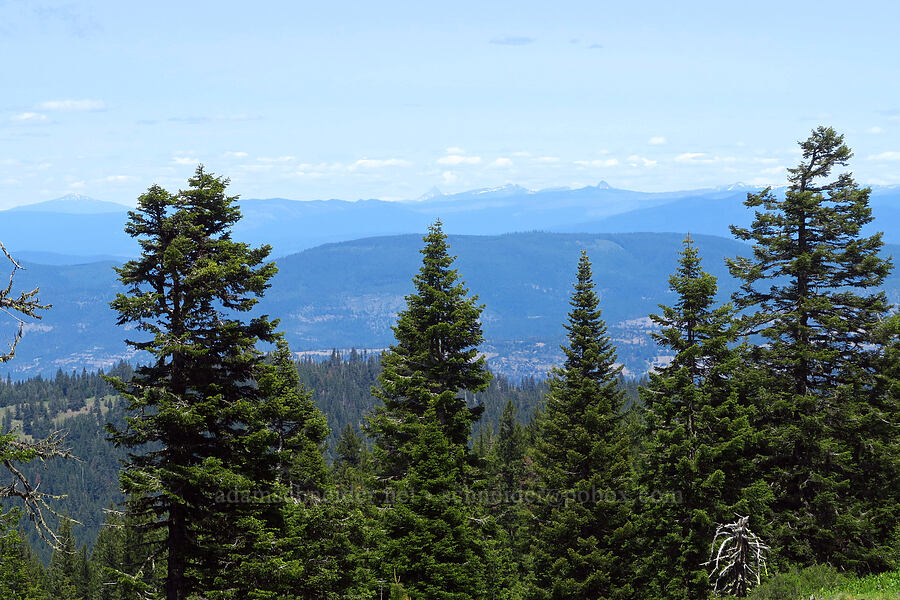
x: 780, y: 407
x: 81, y: 405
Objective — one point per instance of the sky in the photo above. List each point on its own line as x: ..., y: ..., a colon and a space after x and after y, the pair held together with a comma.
x: 350, y: 100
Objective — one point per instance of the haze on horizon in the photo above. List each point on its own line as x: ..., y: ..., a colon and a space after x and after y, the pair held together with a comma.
x: 354, y: 100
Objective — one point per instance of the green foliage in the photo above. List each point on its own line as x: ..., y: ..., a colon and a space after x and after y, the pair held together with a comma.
x: 21, y: 574
x: 808, y: 291
x: 433, y: 539
x: 581, y: 459
x: 196, y: 432
x: 799, y: 583
x: 695, y: 467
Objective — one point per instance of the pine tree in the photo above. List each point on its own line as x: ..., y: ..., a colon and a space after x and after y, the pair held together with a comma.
x: 696, y: 467
x: 581, y: 459
x: 433, y: 543
x: 195, y: 404
x: 809, y: 292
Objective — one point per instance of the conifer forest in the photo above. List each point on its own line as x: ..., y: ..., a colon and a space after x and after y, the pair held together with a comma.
x: 761, y: 460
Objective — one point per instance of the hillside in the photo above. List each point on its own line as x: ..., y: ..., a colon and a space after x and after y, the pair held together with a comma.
x: 346, y: 294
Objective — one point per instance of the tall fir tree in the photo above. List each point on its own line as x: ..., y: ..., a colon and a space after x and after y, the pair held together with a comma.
x: 697, y: 461
x: 195, y: 404
x: 582, y: 464
x: 433, y: 542
x: 810, y: 292
x: 306, y: 542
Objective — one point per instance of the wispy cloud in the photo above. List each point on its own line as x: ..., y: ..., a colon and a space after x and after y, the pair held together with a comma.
x: 875, y: 130
x: 885, y: 156
x: 702, y: 158
x: 119, y: 178
x: 601, y: 162
x: 514, y: 40
x: 640, y: 161
x: 185, y: 160
x: 374, y: 163
x: 455, y: 150
x: 198, y: 120
x: 692, y: 157
x: 502, y: 163
x: 457, y: 159
x: 276, y: 159
x: 595, y: 46
x: 657, y: 140
x: 73, y: 105
x: 546, y: 159
x: 30, y: 117
x: 236, y: 155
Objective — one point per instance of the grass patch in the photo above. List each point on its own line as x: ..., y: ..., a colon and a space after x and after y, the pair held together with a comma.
x: 826, y: 583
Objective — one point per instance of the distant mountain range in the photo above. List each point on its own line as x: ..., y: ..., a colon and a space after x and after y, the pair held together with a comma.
x: 356, y: 261
x: 76, y: 229
x: 346, y: 294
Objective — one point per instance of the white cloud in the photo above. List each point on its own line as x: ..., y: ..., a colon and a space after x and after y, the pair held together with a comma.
x: 774, y: 170
x: 502, y: 162
x: 692, y: 157
x: 71, y: 105
x: 702, y: 157
x: 657, y: 140
x: 118, y: 178
x: 547, y: 159
x: 185, y: 160
x: 636, y: 161
x: 876, y: 130
x: 77, y: 185
x: 236, y: 155
x: 456, y: 159
x: 609, y: 162
x: 448, y: 177
x: 278, y: 159
x: 455, y: 150
x: 885, y: 156
x: 30, y: 117
x: 373, y: 163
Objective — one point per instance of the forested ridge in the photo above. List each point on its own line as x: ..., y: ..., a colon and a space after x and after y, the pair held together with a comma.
x: 763, y: 460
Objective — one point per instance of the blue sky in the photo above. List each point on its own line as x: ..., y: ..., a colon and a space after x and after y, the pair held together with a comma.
x: 387, y: 99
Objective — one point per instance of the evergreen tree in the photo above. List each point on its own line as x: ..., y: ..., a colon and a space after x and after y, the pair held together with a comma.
x: 353, y: 467
x: 433, y: 543
x: 696, y: 467
x: 509, y: 478
x: 63, y: 573
x: 304, y: 544
x: 21, y: 573
x: 195, y: 405
x: 581, y: 459
x: 809, y: 292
